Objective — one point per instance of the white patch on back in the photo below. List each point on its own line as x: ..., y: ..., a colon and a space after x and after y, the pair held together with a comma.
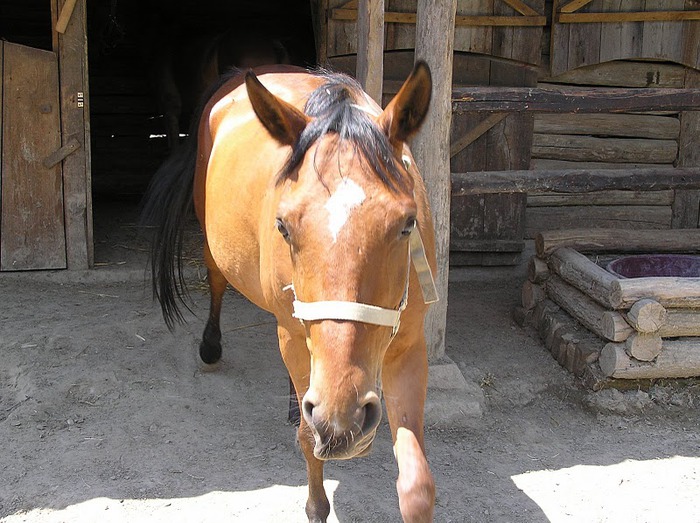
x: 346, y: 197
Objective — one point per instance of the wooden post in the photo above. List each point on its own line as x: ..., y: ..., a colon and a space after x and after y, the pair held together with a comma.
x: 75, y: 123
x: 370, y: 47
x: 434, y: 44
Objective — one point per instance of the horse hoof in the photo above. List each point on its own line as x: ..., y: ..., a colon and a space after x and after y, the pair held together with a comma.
x: 210, y: 352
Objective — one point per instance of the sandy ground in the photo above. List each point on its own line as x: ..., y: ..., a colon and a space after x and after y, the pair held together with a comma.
x: 107, y: 416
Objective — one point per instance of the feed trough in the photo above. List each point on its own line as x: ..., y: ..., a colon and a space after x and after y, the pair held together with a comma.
x: 656, y: 265
x: 635, y: 317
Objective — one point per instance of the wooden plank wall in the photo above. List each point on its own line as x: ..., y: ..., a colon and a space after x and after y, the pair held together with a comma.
x: 575, y: 45
x: 615, y: 141
x: 341, y: 38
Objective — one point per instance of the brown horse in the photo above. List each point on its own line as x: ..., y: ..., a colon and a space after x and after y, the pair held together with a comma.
x: 312, y: 207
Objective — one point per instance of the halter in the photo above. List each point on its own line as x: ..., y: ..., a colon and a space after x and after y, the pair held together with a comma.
x: 362, y: 312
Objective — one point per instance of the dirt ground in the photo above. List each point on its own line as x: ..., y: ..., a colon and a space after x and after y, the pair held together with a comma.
x: 107, y: 416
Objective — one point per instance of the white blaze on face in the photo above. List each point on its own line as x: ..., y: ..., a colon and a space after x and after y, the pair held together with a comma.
x: 346, y: 197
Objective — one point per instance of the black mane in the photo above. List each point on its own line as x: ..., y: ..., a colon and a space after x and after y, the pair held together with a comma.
x: 335, y: 108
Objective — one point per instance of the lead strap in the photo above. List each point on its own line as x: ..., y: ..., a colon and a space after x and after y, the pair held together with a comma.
x: 420, y: 262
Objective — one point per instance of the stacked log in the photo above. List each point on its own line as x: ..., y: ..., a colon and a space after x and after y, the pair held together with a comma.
x: 607, y: 141
x: 602, y: 327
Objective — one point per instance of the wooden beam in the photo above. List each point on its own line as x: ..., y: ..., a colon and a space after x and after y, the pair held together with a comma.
x: 474, y: 134
x: 370, y: 47
x: 618, y: 240
x: 577, y: 270
x: 435, y: 45
x: 522, y: 8
x: 501, y: 21
x: 641, y: 16
x: 573, y: 100
x: 391, y: 17
x: 576, y: 180
x: 678, y: 359
x: 65, y: 16
x: 574, y: 5
x: 614, y: 125
x: 587, y: 311
x: 62, y: 153
x: 669, y: 292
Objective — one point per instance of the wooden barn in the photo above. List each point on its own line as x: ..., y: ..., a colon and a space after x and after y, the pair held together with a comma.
x: 81, y: 120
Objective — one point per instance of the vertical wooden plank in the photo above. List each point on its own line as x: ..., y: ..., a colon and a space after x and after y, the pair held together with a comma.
x: 521, y: 44
x: 691, y: 38
x: 584, y: 40
x: 663, y: 39
x: 32, y: 201
x: 400, y: 36
x: 434, y: 44
x: 466, y: 219
x: 342, y: 35
x: 370, y: 47
x: 559, y: 42
x: 686, y: 204
x: 474, y: 39
x: 319, y: 15
x: 75, y: 122
x: 504, y: 219
x: 618, y: 39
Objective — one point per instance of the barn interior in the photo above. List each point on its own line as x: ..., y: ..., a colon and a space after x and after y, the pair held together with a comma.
x: 148, y: 59
x: 131, y: 42
x: 134, y: 45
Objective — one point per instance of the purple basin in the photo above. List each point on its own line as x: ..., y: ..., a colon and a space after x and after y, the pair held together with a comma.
x: 651, y: 265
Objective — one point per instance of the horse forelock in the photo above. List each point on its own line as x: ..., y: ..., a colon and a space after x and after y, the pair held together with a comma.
x: 339, y: 107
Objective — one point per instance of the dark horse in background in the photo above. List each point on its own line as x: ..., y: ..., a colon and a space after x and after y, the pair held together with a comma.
x: 184, y: 66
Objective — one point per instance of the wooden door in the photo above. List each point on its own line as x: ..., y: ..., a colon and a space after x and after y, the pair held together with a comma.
x: 32, y: 233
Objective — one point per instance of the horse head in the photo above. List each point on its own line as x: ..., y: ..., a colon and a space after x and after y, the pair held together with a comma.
x: 346, y: 214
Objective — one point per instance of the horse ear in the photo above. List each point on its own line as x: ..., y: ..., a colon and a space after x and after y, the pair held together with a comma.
x: 284, y: 121
x: 405, y: 113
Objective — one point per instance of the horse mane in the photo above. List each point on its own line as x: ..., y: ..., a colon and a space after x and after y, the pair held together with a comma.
x: 337, y: 107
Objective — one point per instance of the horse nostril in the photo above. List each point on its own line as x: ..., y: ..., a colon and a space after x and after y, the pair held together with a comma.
x: 307, y: 409
x: 373, y: 415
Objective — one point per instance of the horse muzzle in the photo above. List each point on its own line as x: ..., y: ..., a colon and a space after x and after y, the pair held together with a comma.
x: 342, y: 435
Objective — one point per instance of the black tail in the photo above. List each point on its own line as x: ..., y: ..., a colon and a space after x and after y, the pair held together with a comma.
x: 168, y: 204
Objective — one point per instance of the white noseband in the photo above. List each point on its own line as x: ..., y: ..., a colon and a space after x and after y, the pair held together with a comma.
x: 362, y: 312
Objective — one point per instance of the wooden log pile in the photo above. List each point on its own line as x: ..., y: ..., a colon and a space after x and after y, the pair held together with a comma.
x: 604, y: 328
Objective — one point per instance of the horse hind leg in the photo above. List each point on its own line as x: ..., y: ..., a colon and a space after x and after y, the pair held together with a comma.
x: 210, y: 347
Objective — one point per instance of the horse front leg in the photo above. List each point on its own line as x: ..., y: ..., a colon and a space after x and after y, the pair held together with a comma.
x: 405, y: 378
x: 210, y: 347
x: 317, y: 504
x: 296, y: 358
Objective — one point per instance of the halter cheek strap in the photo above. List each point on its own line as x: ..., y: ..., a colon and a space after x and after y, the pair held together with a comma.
x: 362, y: 312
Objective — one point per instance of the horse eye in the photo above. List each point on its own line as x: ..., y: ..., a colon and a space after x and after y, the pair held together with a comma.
x: 408, y: 228
x: 282, y: 229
